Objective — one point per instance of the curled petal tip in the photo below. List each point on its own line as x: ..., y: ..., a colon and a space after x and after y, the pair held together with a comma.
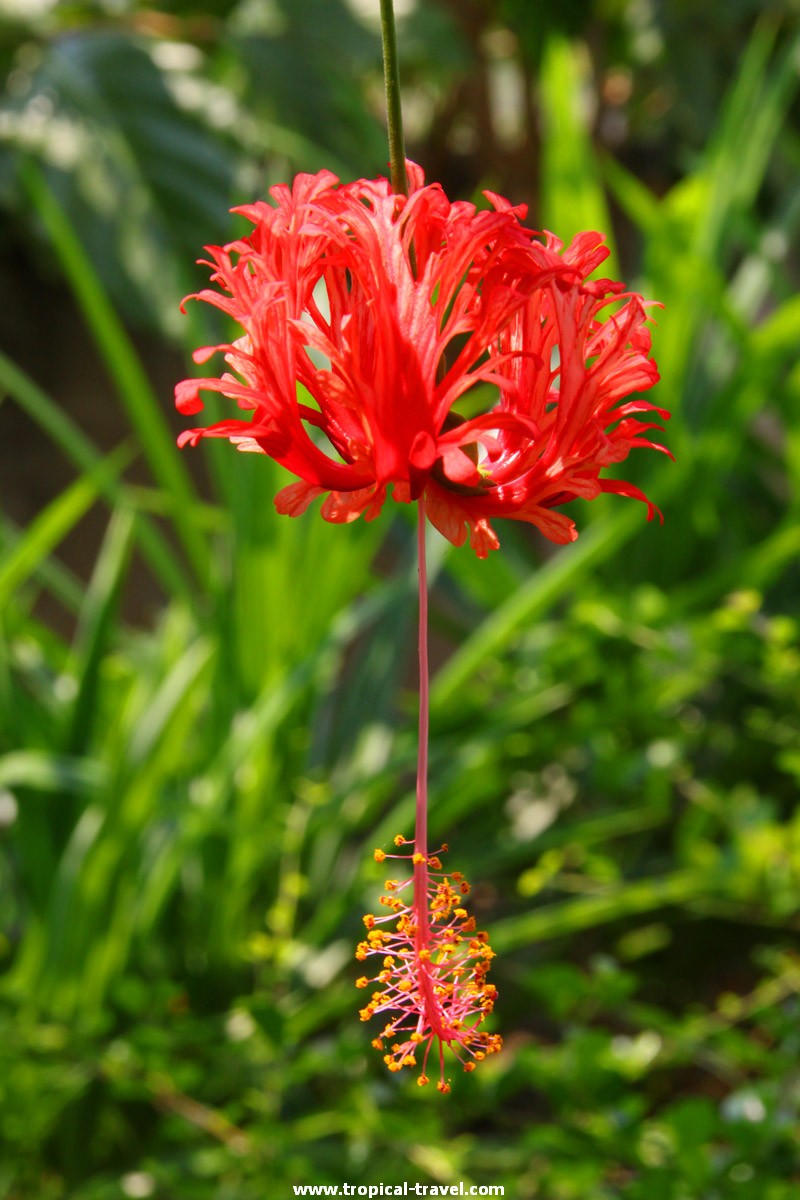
x: 187, y: 398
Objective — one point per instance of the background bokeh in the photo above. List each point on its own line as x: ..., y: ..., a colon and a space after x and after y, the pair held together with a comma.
x: 207, y: 713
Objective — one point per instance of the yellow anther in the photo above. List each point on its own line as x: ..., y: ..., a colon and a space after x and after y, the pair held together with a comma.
x: 379, y: 856
x: 423, y: 1079
x: 417, y: 858
x: 362, y: 982
x: 369, y: 920
x: 399, y: 840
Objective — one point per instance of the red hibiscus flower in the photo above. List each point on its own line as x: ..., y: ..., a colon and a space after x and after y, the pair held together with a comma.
x: 368, y: 317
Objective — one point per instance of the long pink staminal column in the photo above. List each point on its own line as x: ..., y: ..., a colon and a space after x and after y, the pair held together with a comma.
x: 432, y: 984
x: 421, y: 813
x: 428, y: 1005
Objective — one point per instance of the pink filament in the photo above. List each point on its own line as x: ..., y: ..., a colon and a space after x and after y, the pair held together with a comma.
x: 421, y: 814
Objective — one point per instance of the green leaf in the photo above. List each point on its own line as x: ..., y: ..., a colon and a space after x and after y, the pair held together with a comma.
x: 572, y: 193
x: 55, y: 522
x: 132, y: 384
x: 82, y: 452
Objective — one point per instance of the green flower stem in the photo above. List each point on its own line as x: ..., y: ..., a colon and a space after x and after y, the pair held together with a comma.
x: 394, y: 114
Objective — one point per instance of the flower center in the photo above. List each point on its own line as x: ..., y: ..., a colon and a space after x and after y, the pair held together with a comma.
x: 452, y: 421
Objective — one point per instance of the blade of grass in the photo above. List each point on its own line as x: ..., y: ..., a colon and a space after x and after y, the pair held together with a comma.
x: 51, y: 772
x: 52, y: 574
x: 96, y: 618
x: 572, y: 191
x: 585, y: 912
x: 125, y: 368
x: 752, y: 118
x: 84, y: 454
x: 56, y: 521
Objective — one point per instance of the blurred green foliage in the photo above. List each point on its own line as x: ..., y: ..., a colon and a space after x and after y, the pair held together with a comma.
x: 188, y: 802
